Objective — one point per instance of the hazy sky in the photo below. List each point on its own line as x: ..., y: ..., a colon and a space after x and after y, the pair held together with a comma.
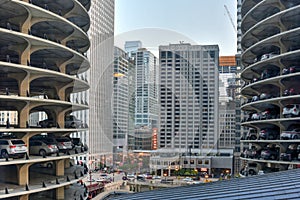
x: 160, y: 22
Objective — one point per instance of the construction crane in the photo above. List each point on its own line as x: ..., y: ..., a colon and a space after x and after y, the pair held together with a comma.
x: 232, y: 23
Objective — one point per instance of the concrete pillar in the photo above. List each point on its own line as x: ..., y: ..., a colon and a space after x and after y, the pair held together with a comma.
x: 67, y: 163
x: 24, y: 86
x: 62, y: 68
x: 60, y: 193
x: 61, y: 92
x: 23, y: 174
x: 61, y: 119
x: 25, y: 55
x: 24, y: 197
x: 27, y: 24
x: 60, y: 168
x: 24, y: 116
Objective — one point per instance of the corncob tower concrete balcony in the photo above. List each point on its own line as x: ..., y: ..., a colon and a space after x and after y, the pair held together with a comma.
x: 271, y: 74
x: 43, y: 45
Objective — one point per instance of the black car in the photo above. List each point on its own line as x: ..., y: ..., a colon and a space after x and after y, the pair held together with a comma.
x: 268, y: 134
x: 269, y: 113
x: 270, y: 153
x: 290, y: 154
x: 268, y: 73
x: 77, y: 144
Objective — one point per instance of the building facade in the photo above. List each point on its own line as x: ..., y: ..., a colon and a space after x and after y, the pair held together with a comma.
x: 270, y: 60
x: 42, y: 58
x: 121, y: 100
x: 189, y: 97
x: 146, y: 98
x: 101, y: 57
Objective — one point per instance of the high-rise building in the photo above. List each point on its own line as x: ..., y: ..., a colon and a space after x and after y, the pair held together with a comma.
x: 189, y: 96
x: 270, y: 61
x: 227, y: 107
x: 121, y: 99
x: 189, y: 112
x: 132, y: 46
x: 146, y: 97
x: 43, y: 56
x: 101, y: 80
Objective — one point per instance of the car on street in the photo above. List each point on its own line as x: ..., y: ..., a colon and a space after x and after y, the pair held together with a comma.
x: 13, y: 148
x: 156, y: 177
x: 130, y: 177
x: 292, y: 110
x: 292, y: 134
x: 186, y: 179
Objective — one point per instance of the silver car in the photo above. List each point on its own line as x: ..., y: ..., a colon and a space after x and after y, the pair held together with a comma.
x: 293, y: 134
x: 291, y: 110
x: 42, y: 148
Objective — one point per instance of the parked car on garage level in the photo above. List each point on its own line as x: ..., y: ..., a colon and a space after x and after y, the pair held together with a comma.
x: 13, y: 148
x: 290, y: 154
x: 270, y: 153
x: 42, y: 148
x: 70, y: 122
x: 251, y: 134
x: 255, y: 116
x: 294, y: 69
x: 63, y: 144
x: 268, y: 134
x: 291, y: 91
x: 268, y: 73
x: 265, y: 95
x: 292, y: 110
x: 268, y: 55
x: 269, y: 113
x: 77, y: 144
x: 292, y: 134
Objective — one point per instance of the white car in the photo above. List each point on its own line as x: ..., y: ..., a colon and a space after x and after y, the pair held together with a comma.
x: 293, y: 134
x: 292, y: 110
x: 13, y: 148
x: 260, y: 172
x: 268, y: 55
x: 255, y: 116
x: 187, y: 179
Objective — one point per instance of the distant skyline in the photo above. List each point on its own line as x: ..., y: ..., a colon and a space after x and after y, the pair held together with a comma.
x: 160, y: 22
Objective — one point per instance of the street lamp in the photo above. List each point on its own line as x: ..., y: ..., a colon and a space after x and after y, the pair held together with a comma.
x: 165, y: 175
x: 176, y: 171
